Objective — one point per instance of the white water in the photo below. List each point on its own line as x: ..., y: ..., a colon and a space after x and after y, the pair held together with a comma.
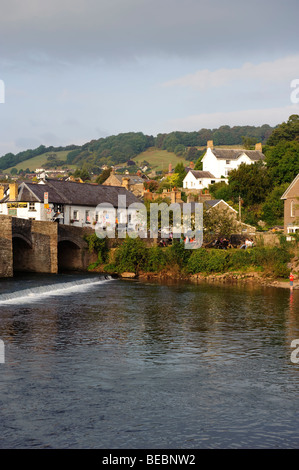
x: 36, y: 293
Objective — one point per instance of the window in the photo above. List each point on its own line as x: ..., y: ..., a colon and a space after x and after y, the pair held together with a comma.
x: 292, y: 209
x: 87, y: 217
x: 228, y: 162
x: 76, y: 215
x: 32, y: 206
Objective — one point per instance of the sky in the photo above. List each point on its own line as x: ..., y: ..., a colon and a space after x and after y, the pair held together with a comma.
x: 76, y: 70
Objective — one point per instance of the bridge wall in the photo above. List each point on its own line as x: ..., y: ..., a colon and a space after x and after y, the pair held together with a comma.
x: 6, y: 254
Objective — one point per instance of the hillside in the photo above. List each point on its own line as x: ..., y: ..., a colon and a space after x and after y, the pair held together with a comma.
x: 39, y: 161
x: 118, y: 149
x: 158, y: 159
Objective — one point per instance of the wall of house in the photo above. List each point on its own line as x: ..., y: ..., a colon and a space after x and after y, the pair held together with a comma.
x: 220, y: 167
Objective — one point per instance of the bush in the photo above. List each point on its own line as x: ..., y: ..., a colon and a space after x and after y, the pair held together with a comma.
x: 208, y: 261
x: 98, y: 245
x: 131, y: 255
x: 155, y: 259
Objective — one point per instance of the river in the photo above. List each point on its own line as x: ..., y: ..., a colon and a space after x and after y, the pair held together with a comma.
x: 121, y: 364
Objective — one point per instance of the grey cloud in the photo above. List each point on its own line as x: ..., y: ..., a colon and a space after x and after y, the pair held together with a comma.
x: 90, y: 30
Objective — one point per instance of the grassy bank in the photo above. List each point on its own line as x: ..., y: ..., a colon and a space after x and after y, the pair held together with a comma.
x: 134, y: 256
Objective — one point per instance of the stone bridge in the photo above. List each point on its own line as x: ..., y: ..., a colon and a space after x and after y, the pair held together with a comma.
x: 42, y: 247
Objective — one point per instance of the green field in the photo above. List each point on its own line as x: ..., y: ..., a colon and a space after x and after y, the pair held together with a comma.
x: 159, y: 159
x: 39, y: 161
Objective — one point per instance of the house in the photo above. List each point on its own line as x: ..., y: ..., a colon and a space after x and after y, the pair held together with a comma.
x: 219, y: 162
x: 67, y: 202
x: 291, y: 207
x: 196, y: 179
x: 133, y: 183
x: 220, y: 204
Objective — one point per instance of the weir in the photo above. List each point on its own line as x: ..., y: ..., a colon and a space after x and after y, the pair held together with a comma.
x: 42, y: 247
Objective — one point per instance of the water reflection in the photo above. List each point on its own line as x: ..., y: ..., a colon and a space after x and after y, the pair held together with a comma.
x: 129, y: 364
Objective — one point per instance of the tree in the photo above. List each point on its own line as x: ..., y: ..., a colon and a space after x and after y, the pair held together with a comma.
x: 273, y: 207
x: 286, y: 131
x: 251, y: 182
x: 218, y: 223
x: 283, y: 161
x: 103, y: 176
x: 181, y: 172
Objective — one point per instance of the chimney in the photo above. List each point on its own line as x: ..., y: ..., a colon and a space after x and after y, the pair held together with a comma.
x: 259, y: 147
x: 169, y: 168
x: 13, y: 192
x: 210, y: 144
x: 126, y: 183
x: 191, y: 165
x: 1, y: 192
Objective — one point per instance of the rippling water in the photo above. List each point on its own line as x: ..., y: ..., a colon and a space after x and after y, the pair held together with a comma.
x: 102, y: 363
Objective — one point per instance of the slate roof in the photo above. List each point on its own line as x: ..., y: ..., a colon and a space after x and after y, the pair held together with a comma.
x: 133, y: 179
x: 234, y: 154
x: 202, y: 174
x: 72, y: 193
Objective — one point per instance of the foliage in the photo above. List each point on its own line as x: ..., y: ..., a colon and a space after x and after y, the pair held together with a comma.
x: 251, y: 182
x: 283, y: 161
x: 99, y: 246
x: 220, y: 190
x: 273, y: 207
x: 286, y: 131
x: 218, y: 223
x: 273, y: 260
x: 131, y: 255
x: 156, y: 259
x: 103, y: 176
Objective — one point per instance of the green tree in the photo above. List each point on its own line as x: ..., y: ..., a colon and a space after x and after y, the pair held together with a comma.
x: 251, y: 182
x: 283, y: 161
x: 103, y: 176
x: 286, y: 131
x: 273, y: 207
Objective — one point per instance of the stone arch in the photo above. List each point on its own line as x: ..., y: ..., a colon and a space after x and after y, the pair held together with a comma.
x: 22, y: 253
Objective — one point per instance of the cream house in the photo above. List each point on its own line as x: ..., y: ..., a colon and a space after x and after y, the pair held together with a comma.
x: 199, y: 179
x: 219, y: 162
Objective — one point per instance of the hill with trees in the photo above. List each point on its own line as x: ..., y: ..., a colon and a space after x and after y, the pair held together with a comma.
x: 117, y: 149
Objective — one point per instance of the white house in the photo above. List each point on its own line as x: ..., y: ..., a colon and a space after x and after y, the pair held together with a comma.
x: 200, y: 179
x: 70, y: 203
x: 220, y: 161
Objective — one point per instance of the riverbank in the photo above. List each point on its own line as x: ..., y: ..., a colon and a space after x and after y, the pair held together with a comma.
x: 222, y: 278
x: 268, y: 266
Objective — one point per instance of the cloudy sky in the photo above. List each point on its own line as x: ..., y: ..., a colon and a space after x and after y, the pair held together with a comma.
x: 76, y: 70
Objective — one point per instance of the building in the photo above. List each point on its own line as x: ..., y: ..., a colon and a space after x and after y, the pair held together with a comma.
x: 196, y: 179
x: 219, y: 162
x: 291, y: 207
x: 221, y: 205
x: 68, y: 202
x: 133, y: 183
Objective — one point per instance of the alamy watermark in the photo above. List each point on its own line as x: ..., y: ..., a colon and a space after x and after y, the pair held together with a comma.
x: 136, y: 221
x: 295, y: 92
x: 2, y: 352
x: 295, y: 353
x: 2, y: 92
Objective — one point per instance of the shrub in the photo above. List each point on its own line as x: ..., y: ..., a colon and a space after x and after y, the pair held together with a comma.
x: 208, y: 261
x: 131, y: 255
x: 155, y: 259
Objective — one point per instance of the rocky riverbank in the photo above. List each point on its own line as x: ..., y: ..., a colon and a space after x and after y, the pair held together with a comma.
x: 225, y: 278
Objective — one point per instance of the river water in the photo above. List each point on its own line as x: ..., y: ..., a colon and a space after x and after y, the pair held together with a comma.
x: 116, y: 364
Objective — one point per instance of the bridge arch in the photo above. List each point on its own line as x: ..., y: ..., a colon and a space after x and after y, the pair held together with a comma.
x: 23, y: 253
x: 69, y: 255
